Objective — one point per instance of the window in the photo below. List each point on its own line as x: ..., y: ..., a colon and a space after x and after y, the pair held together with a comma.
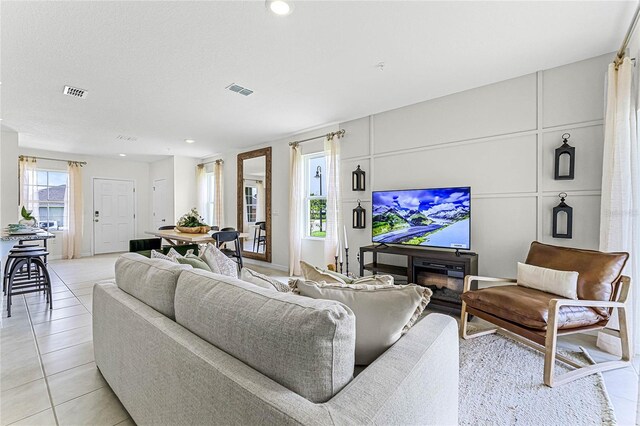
x: 316, y: 195
x: 47, y: 198
x: 251, y: 203
x: 208, y: 214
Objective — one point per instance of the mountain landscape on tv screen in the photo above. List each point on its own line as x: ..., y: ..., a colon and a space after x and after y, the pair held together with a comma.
x: 426, y: 217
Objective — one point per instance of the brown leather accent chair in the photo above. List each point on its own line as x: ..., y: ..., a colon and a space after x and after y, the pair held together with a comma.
x: 537, y: 318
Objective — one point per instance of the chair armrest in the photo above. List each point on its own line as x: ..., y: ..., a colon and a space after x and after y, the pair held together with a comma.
x: 413, y: 382
x: 625, y: 283
x: 469, y: 278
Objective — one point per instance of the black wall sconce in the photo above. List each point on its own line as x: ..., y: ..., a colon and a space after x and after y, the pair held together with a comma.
x: 357, y: 179
x: 561, y: 153
x: 562, y: 212
x: 359, y: 217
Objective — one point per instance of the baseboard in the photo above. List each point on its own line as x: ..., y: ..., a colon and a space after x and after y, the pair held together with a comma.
x: 609, y: 342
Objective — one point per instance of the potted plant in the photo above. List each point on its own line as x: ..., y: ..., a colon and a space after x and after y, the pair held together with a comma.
x: 27, y: 217
x: 192, y: 223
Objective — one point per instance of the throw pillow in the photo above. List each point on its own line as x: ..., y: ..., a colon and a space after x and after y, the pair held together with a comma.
x: 218, y: 262
x: 157, y: 255
x: 383, y: 312
x: 562, y: 283
x: 312, y: 273
x: 263, y: 281
x: 194, y: 261
x: 374, y: 280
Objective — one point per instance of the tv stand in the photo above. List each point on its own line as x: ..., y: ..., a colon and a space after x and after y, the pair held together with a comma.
x: 442, y: 271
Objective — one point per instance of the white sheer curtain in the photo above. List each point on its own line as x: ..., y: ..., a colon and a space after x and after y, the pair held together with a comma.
x: 218, y: 199
x: 28, y: 182
x: 260, y: 210
x: 72, y: 235
x: 620, y: 205
x: 201, y: 188
x: 334, y: 200
x: 296, y: 209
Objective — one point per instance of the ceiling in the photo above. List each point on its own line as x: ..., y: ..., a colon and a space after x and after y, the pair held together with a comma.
x: 157, y: 70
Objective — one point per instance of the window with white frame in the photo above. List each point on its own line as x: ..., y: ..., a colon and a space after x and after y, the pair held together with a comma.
x: 208, y: 214
x: 316, y: 195
x: 47, y: 198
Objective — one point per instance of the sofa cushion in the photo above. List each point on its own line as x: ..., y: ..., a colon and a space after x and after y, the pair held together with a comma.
x: 152, y: 281
x: 598, y: 272
x: 528, y: 307
x: 304, y: 344
x: 383, y: 312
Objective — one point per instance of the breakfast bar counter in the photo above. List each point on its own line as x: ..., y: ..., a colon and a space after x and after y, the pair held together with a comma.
x: 7, y: 241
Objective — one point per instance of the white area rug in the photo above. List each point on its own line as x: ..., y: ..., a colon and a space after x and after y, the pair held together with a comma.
x: 501, y: 384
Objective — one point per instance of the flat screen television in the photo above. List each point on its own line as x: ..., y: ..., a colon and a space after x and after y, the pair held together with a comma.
x: 437, y: 217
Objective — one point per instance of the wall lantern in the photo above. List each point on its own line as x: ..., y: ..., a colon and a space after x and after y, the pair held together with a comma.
x: 562, y: 219
x: 565, y: 154
x: 359, y: 217
x: 357, y: 179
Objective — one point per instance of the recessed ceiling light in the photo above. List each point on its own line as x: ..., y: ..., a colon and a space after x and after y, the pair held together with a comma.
x: 280, y: 7
x: 189, y: 141
x: 122, y: 155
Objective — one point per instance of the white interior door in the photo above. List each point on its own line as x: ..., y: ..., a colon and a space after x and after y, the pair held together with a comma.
x: 113, y: 215
x: 160, y: 204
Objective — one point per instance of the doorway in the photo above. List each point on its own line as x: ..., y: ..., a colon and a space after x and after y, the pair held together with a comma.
x: 113, y: 215
x: 161, y: 206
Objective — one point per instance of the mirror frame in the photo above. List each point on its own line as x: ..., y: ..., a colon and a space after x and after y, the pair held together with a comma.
x: 262, y: 152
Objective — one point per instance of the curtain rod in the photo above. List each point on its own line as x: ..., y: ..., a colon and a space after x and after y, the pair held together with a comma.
x: 627, y: 37
x: 219, y: 161
x: 340, y: 133
x: 21, y: 157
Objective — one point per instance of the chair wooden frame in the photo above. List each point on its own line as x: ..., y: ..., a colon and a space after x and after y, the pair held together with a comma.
x: 550, y: 337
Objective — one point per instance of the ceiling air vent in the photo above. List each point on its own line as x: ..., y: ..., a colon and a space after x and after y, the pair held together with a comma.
x: 239, y: 89
x: 126, y: 138
x: 75, y: 92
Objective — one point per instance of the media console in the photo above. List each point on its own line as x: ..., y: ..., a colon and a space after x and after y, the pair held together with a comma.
x: 442, y: 271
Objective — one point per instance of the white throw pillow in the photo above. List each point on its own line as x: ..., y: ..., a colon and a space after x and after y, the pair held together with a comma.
x: 264, y: 281
x: 219, y: 262
x: 157, y: 255
x: 562, y: 283
x: 383, y: 312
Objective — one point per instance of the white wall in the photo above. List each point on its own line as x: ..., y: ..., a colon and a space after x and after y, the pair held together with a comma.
x: 185, y: 197
x: 99, y: 167
x: 9, y: 212
x: 500, y: 140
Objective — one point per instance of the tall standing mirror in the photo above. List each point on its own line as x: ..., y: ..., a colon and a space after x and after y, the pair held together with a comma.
x: 254, y: 203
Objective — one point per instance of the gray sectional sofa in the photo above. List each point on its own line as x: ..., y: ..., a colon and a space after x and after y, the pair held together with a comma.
x: 182, y: 346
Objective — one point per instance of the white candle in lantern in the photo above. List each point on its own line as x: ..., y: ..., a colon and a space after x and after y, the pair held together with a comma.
x: 346, y: 243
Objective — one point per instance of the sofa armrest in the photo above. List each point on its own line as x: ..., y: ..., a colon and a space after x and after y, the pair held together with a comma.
x: 413, y: 382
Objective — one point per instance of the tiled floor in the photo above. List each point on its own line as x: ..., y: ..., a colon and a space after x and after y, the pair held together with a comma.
x: 48, y: 374
x: 47, y: 371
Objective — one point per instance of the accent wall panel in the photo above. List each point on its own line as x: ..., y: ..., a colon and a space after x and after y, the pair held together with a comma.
x: 497, y: 166
x: 497, y: 109
x: 589, y: 143
x: 574, y: 93
x: 501, y: 231
x: 586, y: 220
x: 356, y: 140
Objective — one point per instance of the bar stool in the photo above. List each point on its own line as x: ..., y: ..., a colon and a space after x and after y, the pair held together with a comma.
x: 34, y: 279
x: 8, y: 263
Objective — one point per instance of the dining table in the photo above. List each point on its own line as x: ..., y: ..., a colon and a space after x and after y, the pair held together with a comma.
x: 177, y: 238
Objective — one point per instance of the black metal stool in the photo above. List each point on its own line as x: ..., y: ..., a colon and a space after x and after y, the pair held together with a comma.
x: 19, y: 249
x: 27, y: 274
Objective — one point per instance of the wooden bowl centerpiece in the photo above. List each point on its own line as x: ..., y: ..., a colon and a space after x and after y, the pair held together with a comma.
x: 192, y: 223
